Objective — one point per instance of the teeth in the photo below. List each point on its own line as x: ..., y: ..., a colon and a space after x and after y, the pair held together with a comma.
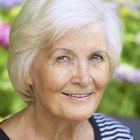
x: 77, y: 95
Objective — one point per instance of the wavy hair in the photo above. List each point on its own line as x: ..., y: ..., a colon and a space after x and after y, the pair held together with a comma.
x: 41, y: 23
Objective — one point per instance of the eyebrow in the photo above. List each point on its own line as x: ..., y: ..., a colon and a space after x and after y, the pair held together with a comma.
x: 67, y: 50
x: 100, y: 51
x: 61, y: 49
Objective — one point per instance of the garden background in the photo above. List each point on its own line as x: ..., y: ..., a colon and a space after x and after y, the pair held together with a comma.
x: 122, y: 96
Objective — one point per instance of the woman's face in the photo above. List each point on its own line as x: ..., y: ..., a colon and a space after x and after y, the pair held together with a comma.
x: 69, y: 79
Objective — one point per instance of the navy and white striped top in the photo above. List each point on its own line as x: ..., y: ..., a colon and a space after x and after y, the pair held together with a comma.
x: 107, y: 128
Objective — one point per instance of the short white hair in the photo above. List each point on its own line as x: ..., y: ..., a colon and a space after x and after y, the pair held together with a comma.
x: 41, y: 22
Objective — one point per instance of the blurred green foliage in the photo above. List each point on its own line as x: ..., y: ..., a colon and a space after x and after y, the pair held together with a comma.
x: 120, y: 98
x: 9, y: 101
x: 131, y: 52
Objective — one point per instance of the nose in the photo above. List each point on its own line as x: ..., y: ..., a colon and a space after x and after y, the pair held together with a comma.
x: 81, y: 75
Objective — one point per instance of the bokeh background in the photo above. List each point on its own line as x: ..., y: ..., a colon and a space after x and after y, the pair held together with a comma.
x: 122, y: 96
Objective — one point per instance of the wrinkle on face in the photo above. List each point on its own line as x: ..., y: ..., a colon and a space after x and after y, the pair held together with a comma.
x: 77, y: 73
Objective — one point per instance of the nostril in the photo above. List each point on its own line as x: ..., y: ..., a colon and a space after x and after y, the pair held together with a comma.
x: 75, y: 80
x: 85, y: 81
x: 82, y: 80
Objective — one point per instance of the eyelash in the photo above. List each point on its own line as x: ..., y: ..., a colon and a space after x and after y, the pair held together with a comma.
x: 97, y: 58
x: 63, y: 58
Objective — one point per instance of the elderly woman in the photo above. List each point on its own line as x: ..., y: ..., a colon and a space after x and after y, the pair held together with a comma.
x: 62, y: 55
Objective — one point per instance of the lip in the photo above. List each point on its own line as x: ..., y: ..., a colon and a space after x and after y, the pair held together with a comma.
x: 78, y: 96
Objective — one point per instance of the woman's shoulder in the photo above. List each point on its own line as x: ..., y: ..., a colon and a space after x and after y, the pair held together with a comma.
x: 8, y: 127
x: 3, y: 135
x: 110, y: 127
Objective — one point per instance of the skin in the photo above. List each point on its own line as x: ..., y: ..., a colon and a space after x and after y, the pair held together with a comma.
x: 68, y: 82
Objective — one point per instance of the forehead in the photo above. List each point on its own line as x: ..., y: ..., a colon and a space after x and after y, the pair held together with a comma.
x: 91, y: 36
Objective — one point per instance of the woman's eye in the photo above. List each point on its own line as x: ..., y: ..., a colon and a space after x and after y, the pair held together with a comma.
x: 63, y: 59
x: 96, y: 58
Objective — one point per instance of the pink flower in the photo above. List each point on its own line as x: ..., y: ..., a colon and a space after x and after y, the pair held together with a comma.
x: 4, y: 35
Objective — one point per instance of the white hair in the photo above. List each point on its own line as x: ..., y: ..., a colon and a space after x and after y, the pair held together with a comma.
x: 41, y: 22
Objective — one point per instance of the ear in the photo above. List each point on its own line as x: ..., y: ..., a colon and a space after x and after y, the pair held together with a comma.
x: 30, y: 80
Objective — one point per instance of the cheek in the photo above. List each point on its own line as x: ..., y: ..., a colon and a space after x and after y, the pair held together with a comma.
x: 102, y: 77
x: 55, y: 79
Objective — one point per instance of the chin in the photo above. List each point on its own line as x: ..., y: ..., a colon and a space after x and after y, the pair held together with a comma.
x: 80, y: 115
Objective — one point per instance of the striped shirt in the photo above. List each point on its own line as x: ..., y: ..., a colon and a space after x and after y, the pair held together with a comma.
x: 107, y: 128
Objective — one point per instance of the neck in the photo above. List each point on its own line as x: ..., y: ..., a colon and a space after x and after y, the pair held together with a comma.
x: 46, y: 127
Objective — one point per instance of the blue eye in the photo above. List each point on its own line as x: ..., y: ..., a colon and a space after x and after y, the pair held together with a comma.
x: 96, y: 58
x: 63, y: 59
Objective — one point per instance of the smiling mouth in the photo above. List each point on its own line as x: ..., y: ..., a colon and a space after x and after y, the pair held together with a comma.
x: 78, y: 95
